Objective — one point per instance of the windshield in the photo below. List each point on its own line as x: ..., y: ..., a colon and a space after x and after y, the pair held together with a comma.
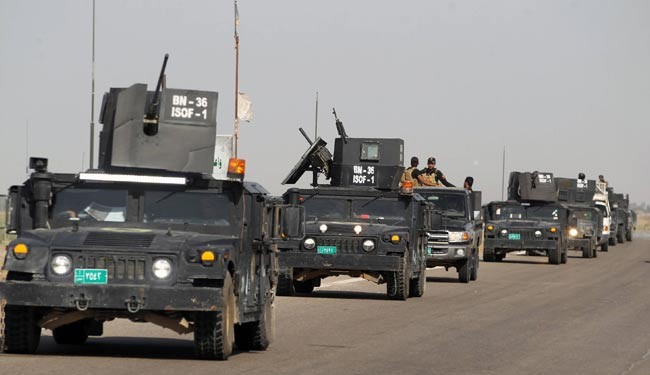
x: 199, y: 208
x: 508, y: 212
x: 583, y: 214
x: 330, y: 208
x: 450, y: 204
x: 101, y: 205
x: 542, y: 213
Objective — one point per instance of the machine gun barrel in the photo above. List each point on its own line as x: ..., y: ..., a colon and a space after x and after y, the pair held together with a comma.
x: 155, y: 102
x: 339, y: 127
x: 306, y: 136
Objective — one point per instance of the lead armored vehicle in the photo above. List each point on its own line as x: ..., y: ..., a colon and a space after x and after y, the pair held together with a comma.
x: 360, y: 225
x: 456, y: 235
x: 531, y: 220
x: 150, y: 236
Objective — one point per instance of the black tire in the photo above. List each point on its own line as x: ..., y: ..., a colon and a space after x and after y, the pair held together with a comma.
x: 285, y: 285
x: 474, y: 274
x: 605, y: 247
x: 488, y: 255
x: 500, y: 257
x: 612, y: 241
x: 620, y: 236
x: 564, y: 256
x: 22, y: 333
x: 628, y: 235
x: 214, y: 331
x: 259, y: 334
x: 303, y: 287
x: 397, y: 285
x: 555, y: 255
x: 418, y: 284
x: 464, y: 271
x: 71, y: 334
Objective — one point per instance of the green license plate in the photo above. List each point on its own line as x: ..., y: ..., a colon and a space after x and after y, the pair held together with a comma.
x: 90, y: 276
x: 326, y: 250
x: 514, y: 236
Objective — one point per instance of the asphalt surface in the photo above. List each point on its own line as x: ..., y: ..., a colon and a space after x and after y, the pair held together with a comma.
x: 523, y: 316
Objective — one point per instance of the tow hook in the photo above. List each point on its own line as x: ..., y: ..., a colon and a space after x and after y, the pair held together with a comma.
x: 133, y: 305
x: 82, y: 303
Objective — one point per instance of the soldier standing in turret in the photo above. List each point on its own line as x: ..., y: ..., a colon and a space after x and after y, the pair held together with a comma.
x: 432, y: 176
x: 408, y: 172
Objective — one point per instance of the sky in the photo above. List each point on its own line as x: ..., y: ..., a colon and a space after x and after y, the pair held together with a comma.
x: 562, y: 86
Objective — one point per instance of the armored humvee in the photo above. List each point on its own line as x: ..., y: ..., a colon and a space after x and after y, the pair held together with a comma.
x: 360, y: 224
x: 149, y: 236
x: 585, y: 219
x: 531, y: 220
x: 624, y: 218
x: 456, y: 235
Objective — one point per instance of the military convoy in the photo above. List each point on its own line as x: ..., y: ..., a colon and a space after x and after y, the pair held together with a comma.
x: 149, y: 236
x: 361, y: 224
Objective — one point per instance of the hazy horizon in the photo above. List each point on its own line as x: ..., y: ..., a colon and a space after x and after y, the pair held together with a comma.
x: 564, y: 86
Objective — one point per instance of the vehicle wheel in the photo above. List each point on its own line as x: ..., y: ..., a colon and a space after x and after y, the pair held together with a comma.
x: 500, y: 257
x: 488, y: 255
x: 22, y: 333
x: 620, y: 236
x: 214, y: 331
x: 303, y: 287
x: 71, y: 334
x: 464, y: 271
x: 604, y: 247
x: 285, y: 285
x: 555, y: 255
x: 612, y: 241
x: 259, y: 334
x: 474, y: 274
x: 397, y: 285
x: 628, y: 235
x: 594, y: 249
x: 564, y: 257
x: 417, y: 285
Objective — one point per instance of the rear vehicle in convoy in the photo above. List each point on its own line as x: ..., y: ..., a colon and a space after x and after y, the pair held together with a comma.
x: 360, y: 225
x: 531, y: 220
x: 456, y: 233
x: 585, y: 219
x: 624, y: 218
x: 150, y: 236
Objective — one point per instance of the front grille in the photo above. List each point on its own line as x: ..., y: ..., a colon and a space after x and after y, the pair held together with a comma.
x: 524, y: 234
x: 343, y: 244
x: 120, y: 267
x: 438, y: 238
x: 113, y: 239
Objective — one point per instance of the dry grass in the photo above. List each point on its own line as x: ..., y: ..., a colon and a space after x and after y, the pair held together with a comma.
x: 643, y: 222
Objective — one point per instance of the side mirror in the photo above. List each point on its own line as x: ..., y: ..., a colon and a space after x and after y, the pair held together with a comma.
x: 292, y: 225
x: 12, y: 210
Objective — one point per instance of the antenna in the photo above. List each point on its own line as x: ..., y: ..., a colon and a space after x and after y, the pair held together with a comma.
x: 316, y: 118
x: 26, y: 146
x: 503, y: 172
x: 92, y: 98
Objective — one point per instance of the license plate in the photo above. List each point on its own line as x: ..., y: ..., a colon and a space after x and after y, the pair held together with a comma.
x: 514, y: 236
x: 326, y: 250
x: 90, y: 276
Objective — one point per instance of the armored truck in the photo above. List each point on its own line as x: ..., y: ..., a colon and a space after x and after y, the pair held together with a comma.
x: 456, y: 235
x: 531, y: 220
x: 149, y: 236
x: 585, y: 219
x: 361, y: 224
x: 619, y: 204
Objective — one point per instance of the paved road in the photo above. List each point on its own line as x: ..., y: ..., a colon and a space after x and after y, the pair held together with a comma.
x: 522, y: 316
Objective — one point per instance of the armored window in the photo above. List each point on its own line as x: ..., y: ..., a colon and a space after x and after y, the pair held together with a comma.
x: 89, y: 205
x: 370, y: 151
x: 179, y: 207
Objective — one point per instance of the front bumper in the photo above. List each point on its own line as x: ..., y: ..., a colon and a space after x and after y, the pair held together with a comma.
x: 348, y: 262
x: 142, y: 297
x: 447, y: 255
x: 516, y: 245
x: 578, y: 243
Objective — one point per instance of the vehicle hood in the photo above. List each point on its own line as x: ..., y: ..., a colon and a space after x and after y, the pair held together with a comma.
x: 346, y: 228
x: 523, y: 223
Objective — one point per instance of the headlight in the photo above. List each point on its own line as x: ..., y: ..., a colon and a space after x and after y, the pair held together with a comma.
x: 538, y: 233
x: 323, y: 228
x: 573, y: 232
x: 162, y: 268
x: 357, y: 229
x: 309, y: 243
x: 368, y: 245
x: 61, y: 264
x: 458, y: 237
x: 504, y: 232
